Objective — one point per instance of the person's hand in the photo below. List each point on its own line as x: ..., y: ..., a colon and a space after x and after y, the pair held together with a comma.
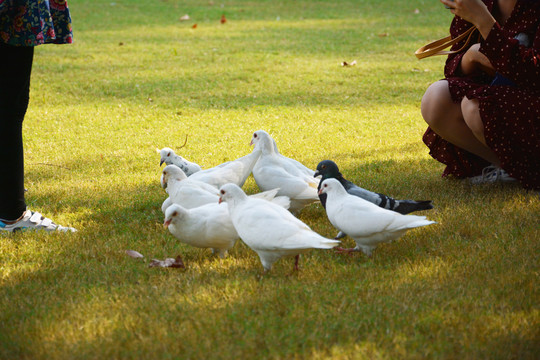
x: 473, y: 11
x: 473, y: 61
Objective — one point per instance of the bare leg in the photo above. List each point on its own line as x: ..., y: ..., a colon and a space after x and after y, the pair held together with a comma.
x: 447, y: 119
x: 471, y: 115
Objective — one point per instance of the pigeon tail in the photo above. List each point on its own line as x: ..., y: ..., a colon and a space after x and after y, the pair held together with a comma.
x: 328, y: 244
x: 407, y: 206
x: 408, y: 223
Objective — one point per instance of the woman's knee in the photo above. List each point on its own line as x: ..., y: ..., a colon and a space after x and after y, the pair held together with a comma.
x: 437, y: 103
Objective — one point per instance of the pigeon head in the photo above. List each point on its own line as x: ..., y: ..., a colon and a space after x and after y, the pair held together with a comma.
x: 331, y: 185
x: 327, y: 169
x: 261, y: 139
x: 257, y: 136
x: 230, y: 193
x: 173, y: 213
x: 171, y: 172
x: 166, y: 155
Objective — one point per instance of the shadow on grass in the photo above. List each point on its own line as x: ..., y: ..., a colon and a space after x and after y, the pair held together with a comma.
x: 459, y: 288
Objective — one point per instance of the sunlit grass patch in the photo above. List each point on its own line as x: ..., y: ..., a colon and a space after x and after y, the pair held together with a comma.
x: 138, y: 79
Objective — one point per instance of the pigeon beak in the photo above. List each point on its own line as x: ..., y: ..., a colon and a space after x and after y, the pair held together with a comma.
x: 220, y: 201
x: 167, y: 223
x: 161, y: 162
x: 317, y: 173
x: 320, y: 191
x: 251, y: 143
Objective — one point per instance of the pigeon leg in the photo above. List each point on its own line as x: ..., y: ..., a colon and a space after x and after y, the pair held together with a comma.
x: 296, y: 269
x: 296, y: 259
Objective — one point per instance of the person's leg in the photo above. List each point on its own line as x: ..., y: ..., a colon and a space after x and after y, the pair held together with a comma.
x: 446, y: 118
x: 471, y: 116
x: 15, y: 69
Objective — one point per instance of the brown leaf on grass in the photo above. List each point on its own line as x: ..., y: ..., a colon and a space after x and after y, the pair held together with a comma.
x: 169, y: 262
x: 134, y: 254
x: 383, y: 35
x: 185, y: 18
x: 348, y: 64
x: 223, y: 19
x: 194, y: 26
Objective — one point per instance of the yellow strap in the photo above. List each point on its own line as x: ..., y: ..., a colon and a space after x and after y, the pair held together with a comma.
x: 436, y: 47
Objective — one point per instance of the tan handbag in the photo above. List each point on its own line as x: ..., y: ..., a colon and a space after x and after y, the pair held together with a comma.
x: 436, y: 47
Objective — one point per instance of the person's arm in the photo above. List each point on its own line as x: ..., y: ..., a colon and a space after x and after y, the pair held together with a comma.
x: 513, y: 60
x: 473, y: 11
x: 474, y: 61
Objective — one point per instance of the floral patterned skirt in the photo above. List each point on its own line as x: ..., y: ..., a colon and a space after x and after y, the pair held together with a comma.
x: 35, y: 22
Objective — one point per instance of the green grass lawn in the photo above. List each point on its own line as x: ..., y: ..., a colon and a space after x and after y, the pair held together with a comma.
x: 137, y: 79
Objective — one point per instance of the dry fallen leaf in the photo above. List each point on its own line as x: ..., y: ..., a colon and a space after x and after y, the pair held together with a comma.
x: 185, y: 18
x: 134, y: 254
x: 194, y: 26
x: 223, y: 19
x: 383, y: 35
x: 185, y: 142
x: 348, y: 64
x: 169, y: 262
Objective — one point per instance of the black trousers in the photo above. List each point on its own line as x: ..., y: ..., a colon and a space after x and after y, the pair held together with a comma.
x: 15, y: 69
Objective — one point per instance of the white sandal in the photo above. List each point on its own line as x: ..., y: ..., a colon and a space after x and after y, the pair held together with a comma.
x: 33, y: 221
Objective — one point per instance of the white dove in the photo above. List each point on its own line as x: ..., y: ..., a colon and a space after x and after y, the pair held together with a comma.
x: 365, y: 222
x: 188, y: 192
x: 191, y: 193
x: 210, y: 225
x: 272, y: 171
x: 235, y: 171
x: 268, y: 229
x: 292, y: 166
x: 207, y: 226
x: 169, y: 157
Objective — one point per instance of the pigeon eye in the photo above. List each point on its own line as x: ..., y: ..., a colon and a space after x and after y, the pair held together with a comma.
x: 174, y: 213
x: 222, y: 192
x: 169, y: 154
x: 254, y: 135
x: 324, y: 167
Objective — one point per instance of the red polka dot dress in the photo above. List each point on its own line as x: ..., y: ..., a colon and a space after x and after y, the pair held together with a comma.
x: 509, y: 106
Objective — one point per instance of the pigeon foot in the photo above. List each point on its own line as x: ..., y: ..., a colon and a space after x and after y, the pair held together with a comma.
x: 349, y: 251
